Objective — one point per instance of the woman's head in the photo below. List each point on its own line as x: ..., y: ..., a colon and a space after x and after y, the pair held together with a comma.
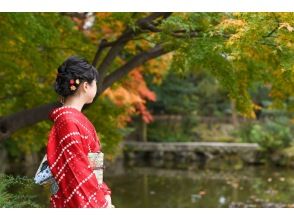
x: 76, y: 78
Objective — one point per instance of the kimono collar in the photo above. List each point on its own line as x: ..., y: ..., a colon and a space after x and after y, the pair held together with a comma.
x: 55, y: 113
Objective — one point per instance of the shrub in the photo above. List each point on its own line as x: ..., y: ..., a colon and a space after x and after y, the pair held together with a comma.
x: 270, y: 135
x: 20, y: 199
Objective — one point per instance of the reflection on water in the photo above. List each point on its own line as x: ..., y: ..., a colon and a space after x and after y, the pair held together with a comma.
x: 153, y: 187
x: 160, y: 187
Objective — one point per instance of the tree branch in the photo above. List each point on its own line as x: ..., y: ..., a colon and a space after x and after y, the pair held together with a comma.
x: 275, y: 28
x: 137, y: 60
x: 119, y: 44
x: 272, y: 31
x: 11, y: 123
x: 127, y: 36
x: 103, y: 44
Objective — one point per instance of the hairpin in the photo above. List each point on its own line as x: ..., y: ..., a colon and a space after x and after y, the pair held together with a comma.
x: 73, y: 88
x: 72, y: 82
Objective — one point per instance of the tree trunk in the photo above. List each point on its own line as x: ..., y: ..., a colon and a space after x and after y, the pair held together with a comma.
x: 235, y: 121
x: 11, y: 123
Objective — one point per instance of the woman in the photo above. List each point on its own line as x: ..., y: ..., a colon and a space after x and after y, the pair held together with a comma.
x: 72, y: 137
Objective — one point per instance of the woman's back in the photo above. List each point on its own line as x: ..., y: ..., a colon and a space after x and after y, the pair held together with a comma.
x: 70, y: 140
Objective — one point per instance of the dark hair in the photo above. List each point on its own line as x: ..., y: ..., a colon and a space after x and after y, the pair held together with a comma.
x: 74, y: 68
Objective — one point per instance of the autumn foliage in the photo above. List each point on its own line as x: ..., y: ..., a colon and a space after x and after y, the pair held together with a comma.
x: 134, y: 93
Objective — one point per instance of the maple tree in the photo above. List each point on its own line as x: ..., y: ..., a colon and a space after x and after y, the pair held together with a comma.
x: 239, y: 49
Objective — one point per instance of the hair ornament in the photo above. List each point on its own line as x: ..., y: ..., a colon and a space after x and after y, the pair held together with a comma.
x: 73, y: 84
x: 73, y: 88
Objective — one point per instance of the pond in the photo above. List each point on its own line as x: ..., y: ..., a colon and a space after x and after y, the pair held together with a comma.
x: 146, y: 186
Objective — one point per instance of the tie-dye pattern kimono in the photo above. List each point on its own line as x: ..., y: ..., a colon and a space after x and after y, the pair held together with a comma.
x: 71, y: 138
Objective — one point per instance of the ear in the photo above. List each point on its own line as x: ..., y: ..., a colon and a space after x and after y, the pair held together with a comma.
x: 85, y: 85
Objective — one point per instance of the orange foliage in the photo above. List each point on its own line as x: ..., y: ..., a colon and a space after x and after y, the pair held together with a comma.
x: 158, y: 67
x: 132, y: 93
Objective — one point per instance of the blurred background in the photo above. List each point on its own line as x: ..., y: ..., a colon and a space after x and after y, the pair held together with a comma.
x: 192, y: 109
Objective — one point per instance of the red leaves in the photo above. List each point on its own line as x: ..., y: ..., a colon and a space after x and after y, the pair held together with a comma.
x: 133, y: 92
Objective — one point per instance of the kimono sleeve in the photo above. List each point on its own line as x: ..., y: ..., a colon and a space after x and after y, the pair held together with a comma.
x: 79, y: 184
x: 106, y: 190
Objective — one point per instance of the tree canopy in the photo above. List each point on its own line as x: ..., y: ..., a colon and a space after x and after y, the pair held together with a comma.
x: 241, y: 50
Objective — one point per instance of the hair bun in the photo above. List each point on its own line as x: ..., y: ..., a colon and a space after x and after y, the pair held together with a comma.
x: 62, y: 69
x: 71, y: 69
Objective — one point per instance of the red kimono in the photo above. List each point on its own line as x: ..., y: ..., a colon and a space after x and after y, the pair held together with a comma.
x: 70, y: 140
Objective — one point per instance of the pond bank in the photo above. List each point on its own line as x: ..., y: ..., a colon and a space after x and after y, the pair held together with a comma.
x: 191, y: 152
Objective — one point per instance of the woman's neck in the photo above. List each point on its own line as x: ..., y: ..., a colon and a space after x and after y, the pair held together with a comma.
x: 73, y: 104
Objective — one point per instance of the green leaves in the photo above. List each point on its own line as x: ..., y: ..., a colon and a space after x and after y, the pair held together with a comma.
x: 21, y: 199
x: 32, y: 47
x: 270, y: 135
x: 239, y: 49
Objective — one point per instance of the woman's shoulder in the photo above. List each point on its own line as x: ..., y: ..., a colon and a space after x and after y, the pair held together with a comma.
x: 68, y: 123
x: 65, y: 113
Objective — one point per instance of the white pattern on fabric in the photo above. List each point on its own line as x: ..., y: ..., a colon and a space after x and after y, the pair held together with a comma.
x: 84, y: 128
x: 53, y: 202
x: 70, y: 134
x: 63, y: 149
x: 61, y: 177
x: 66, y: 162
x: 82, y: 136
x: 75, y: 189
x: 63, y: 113
x: 89, y: 200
